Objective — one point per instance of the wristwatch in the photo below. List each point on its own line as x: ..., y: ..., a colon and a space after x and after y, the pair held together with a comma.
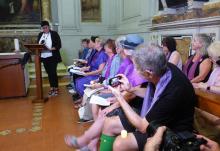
x: 208, y: 88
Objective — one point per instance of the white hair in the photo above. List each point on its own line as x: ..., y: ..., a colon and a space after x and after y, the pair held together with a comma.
x: 150, y: 57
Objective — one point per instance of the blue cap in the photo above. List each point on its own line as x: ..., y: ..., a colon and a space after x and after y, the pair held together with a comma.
x: 132, y: 41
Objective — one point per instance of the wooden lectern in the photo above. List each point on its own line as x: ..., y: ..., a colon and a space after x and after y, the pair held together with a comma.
x: 36, y: 49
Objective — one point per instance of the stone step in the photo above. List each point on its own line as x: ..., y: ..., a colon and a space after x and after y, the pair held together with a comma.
x: 60, y: 67
x: 65, y: 79
x: 61, y: 70
x: 44, y: 75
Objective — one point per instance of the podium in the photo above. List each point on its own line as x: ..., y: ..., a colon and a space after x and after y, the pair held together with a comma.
x: 36, y: 49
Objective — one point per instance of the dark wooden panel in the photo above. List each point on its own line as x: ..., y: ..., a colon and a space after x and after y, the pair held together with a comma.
x: 209, y: 102
x: 12, y: 82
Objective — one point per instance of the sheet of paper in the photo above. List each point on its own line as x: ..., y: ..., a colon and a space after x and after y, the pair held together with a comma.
x: 95, y: 99
x: 88, y: 92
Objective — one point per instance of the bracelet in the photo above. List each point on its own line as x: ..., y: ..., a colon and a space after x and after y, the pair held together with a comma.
x: 208, y: 88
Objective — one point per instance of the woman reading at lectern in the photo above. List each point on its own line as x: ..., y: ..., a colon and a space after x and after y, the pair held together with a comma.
x: 51, y: 55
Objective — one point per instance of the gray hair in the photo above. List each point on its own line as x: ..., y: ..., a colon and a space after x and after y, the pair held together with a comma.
x: 206, y: 41
x: 214, y: 50
x: 150, y: 57
x: 118, y: 40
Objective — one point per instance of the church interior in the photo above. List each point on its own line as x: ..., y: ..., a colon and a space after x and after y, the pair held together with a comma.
x: 56, y: 56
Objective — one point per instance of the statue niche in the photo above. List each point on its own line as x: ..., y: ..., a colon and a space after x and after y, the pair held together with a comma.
x: 179, y: 6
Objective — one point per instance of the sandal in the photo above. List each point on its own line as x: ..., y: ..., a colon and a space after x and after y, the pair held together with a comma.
x: 71, y: 141
x: 86, y: 148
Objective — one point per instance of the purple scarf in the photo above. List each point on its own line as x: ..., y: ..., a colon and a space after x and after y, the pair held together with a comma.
x: 192, y: 69
x: 150, y: 97
x: 213, y: 77
x: 124, y: 66
x: 109, y: 62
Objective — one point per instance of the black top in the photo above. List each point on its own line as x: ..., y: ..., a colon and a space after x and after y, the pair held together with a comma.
x: 175, y: 107
x: 56, y: 42
x: 198, y: 66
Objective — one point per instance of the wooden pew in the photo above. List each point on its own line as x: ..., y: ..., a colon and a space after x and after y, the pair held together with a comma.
x: 209, y: 102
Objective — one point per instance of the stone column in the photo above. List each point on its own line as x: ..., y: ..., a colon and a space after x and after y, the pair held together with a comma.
x: 46, y: 10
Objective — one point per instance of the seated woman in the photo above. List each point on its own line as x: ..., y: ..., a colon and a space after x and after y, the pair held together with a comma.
x: 91, y: 136
x: 213, y: 84
x: 109, y: 71
x: 126, y: 68
x: 93, y: 71
x: 198, y: 66
x: 85, y: 63
x: 169, y: 100
x: 172, y: 55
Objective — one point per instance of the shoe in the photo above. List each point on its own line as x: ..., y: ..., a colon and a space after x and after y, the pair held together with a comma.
x: 69, y: 86
x: 86, y: 148
x: 80, y: 121
x: 50, y: 93
x: 72, y: 91
x: 55, y: 92
x: 71, y: 141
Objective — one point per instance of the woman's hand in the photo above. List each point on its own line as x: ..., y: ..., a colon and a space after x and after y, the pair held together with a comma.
x: 154, y: 142
x: 116, y: 92
x: 53, y: 48
x: 210, y: 145
x: 200, y: 85
x: 84, y: 68
x: 125, y: 85
x: 96, y: 85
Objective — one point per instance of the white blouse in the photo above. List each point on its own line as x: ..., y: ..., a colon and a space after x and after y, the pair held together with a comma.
x: 180, y: 63
x: 46, y: 37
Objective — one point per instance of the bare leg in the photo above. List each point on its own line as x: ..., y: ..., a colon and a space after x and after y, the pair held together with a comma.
x: 112, y: 126
x: 95, y: 111
x: 128, y: 144
x: 93, y: 144
x: 93, y: 132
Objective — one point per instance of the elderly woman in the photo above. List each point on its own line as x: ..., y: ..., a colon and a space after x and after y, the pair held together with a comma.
x: 213, y: 84
x: 198, y: 66
x: 169, y: 99
x: 172, y: 55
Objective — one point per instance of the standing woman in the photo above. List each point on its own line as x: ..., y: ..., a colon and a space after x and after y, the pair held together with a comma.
x: 198, y: 66
x: 172, y: 55
x: 50, y: 56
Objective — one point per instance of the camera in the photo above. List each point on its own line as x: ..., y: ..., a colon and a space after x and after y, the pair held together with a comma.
x: 181, y: 141
x: 101, y: 79
x: 115, y: 81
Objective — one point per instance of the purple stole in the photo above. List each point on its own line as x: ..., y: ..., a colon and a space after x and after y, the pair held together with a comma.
x: 152, y: 97
x: 192, y: 70
x: 109, y: 63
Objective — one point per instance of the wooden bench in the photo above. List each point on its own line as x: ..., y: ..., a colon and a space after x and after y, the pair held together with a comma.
x: 207, y: 114
x: 209, y: 102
